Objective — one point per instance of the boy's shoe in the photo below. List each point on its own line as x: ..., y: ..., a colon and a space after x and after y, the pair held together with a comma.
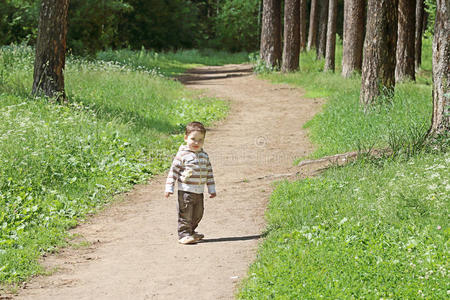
x: 187, y: 240
x: 198, y: 236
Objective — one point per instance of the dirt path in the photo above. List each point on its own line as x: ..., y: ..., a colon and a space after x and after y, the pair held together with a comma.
x: 134, y: 252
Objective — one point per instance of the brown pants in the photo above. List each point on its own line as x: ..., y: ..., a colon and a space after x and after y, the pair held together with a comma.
x: 190, y: 212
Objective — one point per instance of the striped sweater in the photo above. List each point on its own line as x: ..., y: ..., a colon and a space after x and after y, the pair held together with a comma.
x: 192, y: 170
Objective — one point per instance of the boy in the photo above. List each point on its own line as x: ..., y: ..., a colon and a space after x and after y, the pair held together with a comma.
x: 192, y: 169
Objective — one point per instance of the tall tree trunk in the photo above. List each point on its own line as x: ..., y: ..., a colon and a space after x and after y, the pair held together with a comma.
x: 378, y: 69
x: 291, y: 49
x: 418, y: 35
x: 322, y: 34
x: 441, y: 70
x: 303, y: 25
x: 312, y: 33
x: 331, y: 36
x: 404, y: 69
x: 271, y: 33
x: 354, y: 16
x: 48, y: 78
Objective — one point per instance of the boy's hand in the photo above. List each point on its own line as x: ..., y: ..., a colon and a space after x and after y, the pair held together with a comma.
x: 212, y: 195
x: 167, y: 194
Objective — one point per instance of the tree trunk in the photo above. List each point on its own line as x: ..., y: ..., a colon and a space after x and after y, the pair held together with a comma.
x: 441, y: 70
x: 354, y: 16
x: 378, y: 68
x: 303, y: 25
x: 271, y: 33
x: 322, y: 35
x: 331, y: 37
x: 291, y: 49
x: 418, y: 35
x: 312, y: 33
x: 48, y: 78
x: 404, y: 69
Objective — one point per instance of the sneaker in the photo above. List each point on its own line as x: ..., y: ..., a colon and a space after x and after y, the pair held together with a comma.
x: 187, y: 240
x: 198, y: 236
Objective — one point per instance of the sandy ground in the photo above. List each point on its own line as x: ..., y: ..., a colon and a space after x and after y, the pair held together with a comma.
x: 133, y: 251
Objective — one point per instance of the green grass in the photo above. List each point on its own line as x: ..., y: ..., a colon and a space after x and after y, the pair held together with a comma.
x: 374, y: 229
x: 342, y: 126
x: 61, y: 163
x: 172, y: 63
x: 369, y: 230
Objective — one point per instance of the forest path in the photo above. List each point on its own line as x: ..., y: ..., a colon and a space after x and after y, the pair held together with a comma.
x: 134, y: 252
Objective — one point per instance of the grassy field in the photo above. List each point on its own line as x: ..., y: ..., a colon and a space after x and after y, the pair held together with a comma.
x: 60, y: 163
x: 374, y: 229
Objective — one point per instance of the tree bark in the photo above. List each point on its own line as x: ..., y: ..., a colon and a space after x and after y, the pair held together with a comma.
x: 441, y: 70
x: 418, y: 35
x: 48, y: 78
x: 271, y: 33
x: 331, y: 37
x: 291, y: 49
x: 312, y: 33
x: 378, y: 68
x: 322, y: 34
x: 303, y: 25
x: 354, y: 16
x: 405, y: 69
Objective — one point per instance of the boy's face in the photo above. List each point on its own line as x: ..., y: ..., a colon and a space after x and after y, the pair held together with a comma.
x: 195, y: 140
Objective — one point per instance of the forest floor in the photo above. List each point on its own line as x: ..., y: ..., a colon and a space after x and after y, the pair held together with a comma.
x: 130, y: 251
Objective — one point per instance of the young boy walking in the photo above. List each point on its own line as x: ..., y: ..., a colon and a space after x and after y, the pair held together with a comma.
x: 192, y: 169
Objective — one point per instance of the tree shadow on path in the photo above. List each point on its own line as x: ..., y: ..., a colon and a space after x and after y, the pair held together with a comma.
x: 197, y: 75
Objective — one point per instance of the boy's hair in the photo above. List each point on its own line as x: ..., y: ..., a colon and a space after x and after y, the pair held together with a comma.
x: 195, y: 126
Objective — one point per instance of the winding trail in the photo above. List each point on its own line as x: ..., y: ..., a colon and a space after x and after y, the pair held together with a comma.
x: 133, y: 251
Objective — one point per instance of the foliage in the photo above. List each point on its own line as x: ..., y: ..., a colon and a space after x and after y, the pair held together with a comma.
x: 18, y: 21
x: 430, y: 8
x: 60, y: 163
x: 159, y: 24
x: 259, y: 66
x: 238, y: 25
x: 94, y: 25
x: 152, y: 24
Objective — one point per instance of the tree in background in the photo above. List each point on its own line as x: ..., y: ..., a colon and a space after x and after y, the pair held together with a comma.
x: 303, y: 14
x: 18, y: 21
x: 322, y: 33
x: 312, y: 32
x: 94, y: 25
x: 270, y: 49
x: 48, y: 78
x: 378, y: 68
x: 353, y: 36
x: 440, y: 123
x: 291, y: 49
x: 418, y: 34
x: 237, y: 25
x: 404, y: 69
x: 160, y: 24
x: 331, y: 37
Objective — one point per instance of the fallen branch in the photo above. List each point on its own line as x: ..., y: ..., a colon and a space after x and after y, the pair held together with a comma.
x: 344, y: 157
x: 332, y: 159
